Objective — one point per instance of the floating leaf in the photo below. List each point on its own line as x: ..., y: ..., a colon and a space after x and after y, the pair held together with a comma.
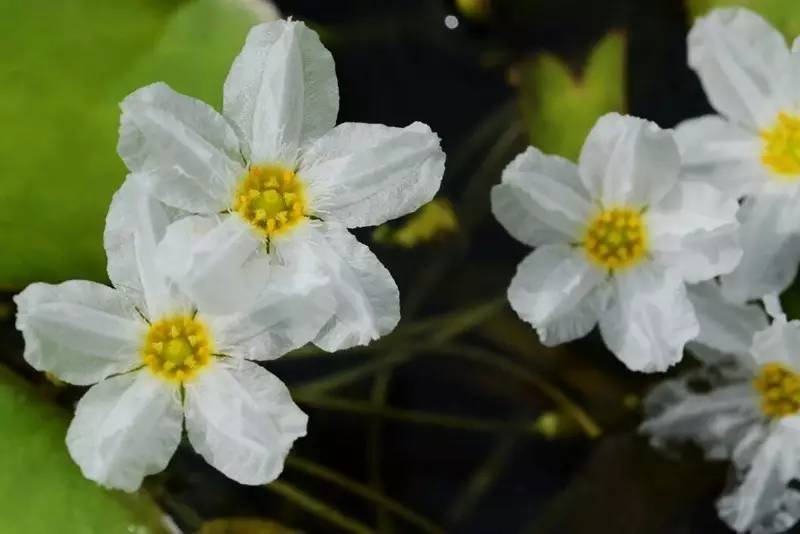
x: 42, y: 488
x: 559, y: 108
x: 67, y: 66
x: 783, y: 14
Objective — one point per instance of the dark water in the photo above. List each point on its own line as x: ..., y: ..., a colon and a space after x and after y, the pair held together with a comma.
x: 397, y: 63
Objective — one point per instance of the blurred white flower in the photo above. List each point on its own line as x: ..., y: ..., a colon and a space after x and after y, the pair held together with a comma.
x: 617, y: 237
x: 158, y: 360
x: 752, y: 148
x: 742, y: 405
x: 273, y: 181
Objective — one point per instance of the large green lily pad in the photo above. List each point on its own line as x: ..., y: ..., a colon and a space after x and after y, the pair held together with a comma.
x: 64, y: 68
x: 560, y: 107
x: 43, y: 490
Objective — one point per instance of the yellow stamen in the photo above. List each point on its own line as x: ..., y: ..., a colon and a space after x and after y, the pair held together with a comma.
x: 615, y: 238
x: 270, y: 198
x: 779, y: 387
x: 177, y: 347
x: 781, y: 147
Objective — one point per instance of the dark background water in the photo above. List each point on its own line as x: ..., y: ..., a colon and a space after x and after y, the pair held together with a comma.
x: 397, y: 62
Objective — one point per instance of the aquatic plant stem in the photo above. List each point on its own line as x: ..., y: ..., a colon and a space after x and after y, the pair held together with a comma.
x: 318, y: 508
x: 329, y: 475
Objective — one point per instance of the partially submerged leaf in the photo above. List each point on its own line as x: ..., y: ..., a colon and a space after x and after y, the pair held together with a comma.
x: 42, y: 488
x: 66, y: 67
x: 560, y: 107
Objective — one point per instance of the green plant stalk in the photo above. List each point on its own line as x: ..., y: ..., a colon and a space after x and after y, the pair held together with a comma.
x: 329, y: 475
x: 318, y: 508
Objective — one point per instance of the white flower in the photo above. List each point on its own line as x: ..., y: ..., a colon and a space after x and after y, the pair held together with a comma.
x: 752, y: 148
x: 158, y: 360
x: 744, y: 405
x: 617, y: 236
x: 273, y: 181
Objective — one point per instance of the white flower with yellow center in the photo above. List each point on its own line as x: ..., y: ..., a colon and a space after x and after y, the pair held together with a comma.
x: 159, y: 361
x: 617, y: 236
x: 752, y: 148
x: 743, y: 405
x: 273, y: 181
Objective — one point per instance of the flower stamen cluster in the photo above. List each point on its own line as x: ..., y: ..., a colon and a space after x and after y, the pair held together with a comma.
x: 271, y: 198
x: 779, y: 388
x: 177, y: 347
x: 781, y: 152
x: 616, y: 238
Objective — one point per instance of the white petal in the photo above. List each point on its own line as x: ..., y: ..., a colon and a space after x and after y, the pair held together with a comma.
x: 288, y: 313
x: 725, y: 326
x: 136, y: 222
x: 219, y: 261
x: 125, y: 428
x: 541, y: 199
x: 694, y: 230
x: 367, y: 299
x: 715, y: 420
x: 366, y: 174
x: 743, y: 63
x: 627, y: 160
x: 778, y: 343
x: 80, y: 331
x: 549, y: 291
x: 762, y: 501
x: 649, y: 320
x: 770, y: 259
x: 281, y: 91
x: 180, y: 149
x: 242, y: 420
x: 717, y: 152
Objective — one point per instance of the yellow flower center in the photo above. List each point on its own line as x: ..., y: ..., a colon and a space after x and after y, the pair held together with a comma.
x: 616, y: 238
x: 781, y: 152
x: 271, y: 198
x: 177, y: 347
x: 779, y: 388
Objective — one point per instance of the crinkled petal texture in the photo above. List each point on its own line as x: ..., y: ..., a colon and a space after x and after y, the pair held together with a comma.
x: 722, y: 154
x: 650, y: 318
x: 558, y: 292
x: 541, y: 199
x: 286, y: 314
x: 367, y: 174
x: 694, y: 232
x: 242, y: 420
x: 761, y: 500
x: 80, y: 331
x: 769, y: 262
x: 366, y: 297
x: 627, y: 160
x: 744, y: 65
x: 126, y: 428
x: 281, y: 92
x: 716, y: 420
x: 219, y: 261
x: 180, y: 149
x: 135, y: 224
x: 778, y: 343
x: 725, y: 326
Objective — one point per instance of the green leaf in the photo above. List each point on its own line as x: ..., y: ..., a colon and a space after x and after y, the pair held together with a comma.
x: 42, y: 488
x: 783, y: 14
x: 559, y: 108
x: 67, y: 66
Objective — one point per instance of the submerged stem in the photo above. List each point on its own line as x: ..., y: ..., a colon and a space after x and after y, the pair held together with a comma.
x: 317, y: 507
x: 329, y: 475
